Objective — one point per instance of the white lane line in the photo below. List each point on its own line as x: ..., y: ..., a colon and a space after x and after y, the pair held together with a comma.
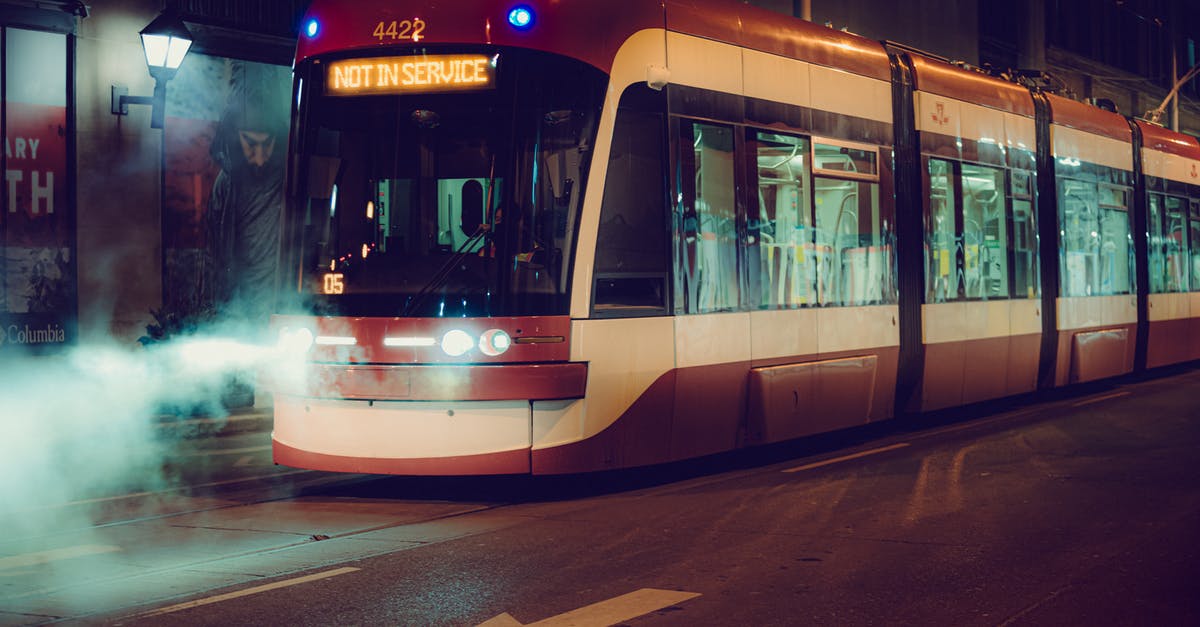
x: 847, y: 457
x: 247, y: 592
x: 42, y: 557
x: 611, y: 612
x: 1099, y: 399
x: 620, y: 609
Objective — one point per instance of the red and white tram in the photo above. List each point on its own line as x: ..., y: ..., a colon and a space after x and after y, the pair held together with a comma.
x: 549, y: 237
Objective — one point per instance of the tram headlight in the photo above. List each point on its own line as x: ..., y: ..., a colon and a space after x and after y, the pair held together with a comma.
x: 295, y: 340
x: 312, y: 28
x: 494, y: 342
x: 457, y: 343
x: 521, y: 17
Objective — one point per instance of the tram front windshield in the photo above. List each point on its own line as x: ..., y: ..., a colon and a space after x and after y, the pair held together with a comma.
x: 442, y: 204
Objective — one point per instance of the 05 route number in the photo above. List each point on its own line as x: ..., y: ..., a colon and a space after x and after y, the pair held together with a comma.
x: 405, y: 29
x: 335, y: 283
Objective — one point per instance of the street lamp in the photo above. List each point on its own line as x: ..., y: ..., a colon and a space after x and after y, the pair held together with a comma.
x: 165, y: 41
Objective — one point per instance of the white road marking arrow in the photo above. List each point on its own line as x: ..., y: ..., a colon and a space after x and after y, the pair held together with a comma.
x: 605, y: 613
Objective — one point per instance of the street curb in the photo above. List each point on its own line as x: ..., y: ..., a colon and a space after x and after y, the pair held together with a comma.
x: 237, y: 422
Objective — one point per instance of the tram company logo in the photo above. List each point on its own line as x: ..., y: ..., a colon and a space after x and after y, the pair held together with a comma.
x: 939, y: 117
x: 1195, y: 174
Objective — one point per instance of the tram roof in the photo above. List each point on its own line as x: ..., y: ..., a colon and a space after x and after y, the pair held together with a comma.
x: 591, y: 31
x: 941, y: 78
x: 1089, y: 119
x: 1155, y: 137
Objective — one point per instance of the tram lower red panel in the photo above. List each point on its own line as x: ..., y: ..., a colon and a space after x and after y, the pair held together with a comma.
x: 1172, y: 342
x: 976, y: 370
x: 502, y: 463
x: 446, y: 382
x: 697, y: 411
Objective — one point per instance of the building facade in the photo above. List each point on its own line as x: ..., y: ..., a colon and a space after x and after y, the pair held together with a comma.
x: 105, y: 220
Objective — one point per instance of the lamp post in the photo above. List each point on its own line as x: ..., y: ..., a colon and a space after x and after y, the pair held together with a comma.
x: 165, y: 41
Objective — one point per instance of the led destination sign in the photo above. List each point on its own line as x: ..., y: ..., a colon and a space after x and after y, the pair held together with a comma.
x: 407, y: 75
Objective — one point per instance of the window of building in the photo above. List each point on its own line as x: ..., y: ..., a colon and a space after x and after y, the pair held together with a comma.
x: 37, y: 218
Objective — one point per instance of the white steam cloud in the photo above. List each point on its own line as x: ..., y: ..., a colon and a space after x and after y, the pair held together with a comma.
x: 85, y: 424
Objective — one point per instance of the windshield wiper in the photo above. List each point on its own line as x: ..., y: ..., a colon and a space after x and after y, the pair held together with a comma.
x: 443, y: 273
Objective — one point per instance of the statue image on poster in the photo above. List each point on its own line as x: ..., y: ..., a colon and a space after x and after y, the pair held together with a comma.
x: 227, y: 139
x: 242, y: 224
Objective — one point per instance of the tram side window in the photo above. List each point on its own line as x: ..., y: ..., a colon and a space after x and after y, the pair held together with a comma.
x: 852, y: 239
x: 1024, y: 236
x: 1095, y: 244
x: 985, y: 233
x: 783, y: 225
x: 942, y: 243
x: 1168, y: 244
x: 1080, y: 220
x: 631, y: 249
x: 1194, y: 244
x: 706, y: 247
x: 1116, y: 247
x: 978, y: 245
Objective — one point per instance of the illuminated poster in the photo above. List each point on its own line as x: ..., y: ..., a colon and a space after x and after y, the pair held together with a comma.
x: 37, y: 223
x: 226, y: 143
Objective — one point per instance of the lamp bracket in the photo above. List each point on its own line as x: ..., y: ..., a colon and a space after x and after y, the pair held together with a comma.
x: 121, y: 100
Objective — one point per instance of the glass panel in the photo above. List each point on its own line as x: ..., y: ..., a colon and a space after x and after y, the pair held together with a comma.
x: 1157, y: 260
x: 853, y: 252
x: 476, y: 195
x: 1025, y: 239
x: 941, y: 235
x: 1080, y: 223
x: 707, y: 251
x: 784, y: 223
x: 834, y: 159
x: 37, y: 239
x: 1116, y: 247
x: 1168, y: 244
x: 985, y: 233
x: 631, y: 252
x: 1194, y: 245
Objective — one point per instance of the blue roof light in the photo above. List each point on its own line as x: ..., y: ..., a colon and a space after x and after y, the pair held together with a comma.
x: 521, y: 17
x: 312, y: 28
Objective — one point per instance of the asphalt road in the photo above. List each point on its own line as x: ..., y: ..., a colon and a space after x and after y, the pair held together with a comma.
x: 1082, y: 509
